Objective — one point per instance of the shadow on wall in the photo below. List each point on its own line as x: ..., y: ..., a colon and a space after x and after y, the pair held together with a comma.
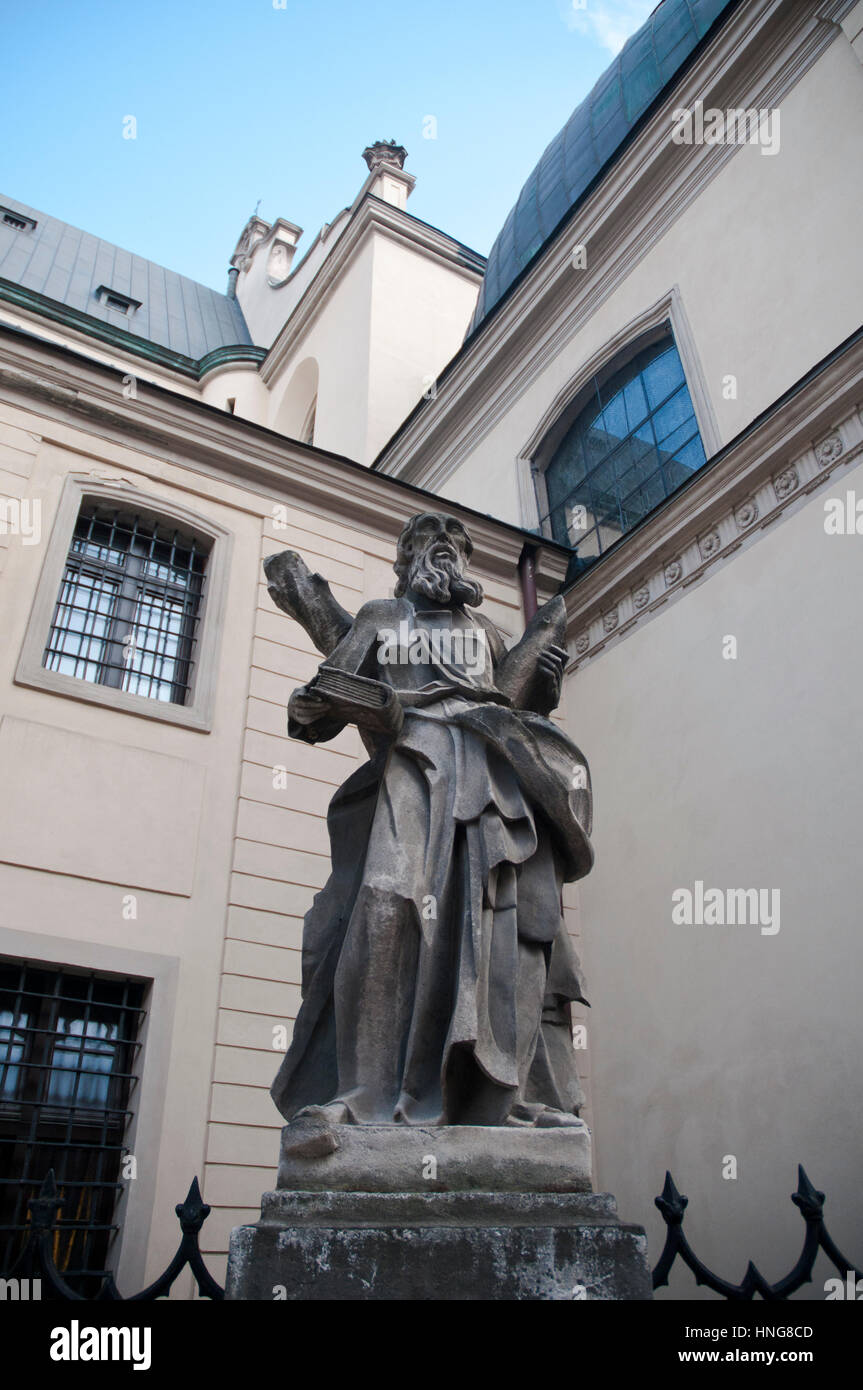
x: 295, y: 416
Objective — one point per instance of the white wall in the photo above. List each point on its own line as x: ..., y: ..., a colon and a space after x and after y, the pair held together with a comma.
x: 714, y: 1041
x: 388, y: 325
x: 338, y: 339
x: 420, y: 313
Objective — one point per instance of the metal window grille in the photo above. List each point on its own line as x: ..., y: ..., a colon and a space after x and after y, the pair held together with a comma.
x: 68, y: 1053
x: 129, y: 606
x: 632, y: 444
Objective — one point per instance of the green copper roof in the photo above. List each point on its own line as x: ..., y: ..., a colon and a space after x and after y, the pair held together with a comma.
x: 593, y: 135
x: 69, y: 267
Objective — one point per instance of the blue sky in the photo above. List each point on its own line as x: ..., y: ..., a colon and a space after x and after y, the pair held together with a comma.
x: 237, y: 100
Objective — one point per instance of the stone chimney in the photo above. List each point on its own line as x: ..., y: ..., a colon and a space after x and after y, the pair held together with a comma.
x: 385, y: 152
x: 387, y: 177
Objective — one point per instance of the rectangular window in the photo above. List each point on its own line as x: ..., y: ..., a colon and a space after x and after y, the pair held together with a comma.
x: 17, y: 220
x: 129, y: 605
x: 113, y: 299
x: 68, y: 1066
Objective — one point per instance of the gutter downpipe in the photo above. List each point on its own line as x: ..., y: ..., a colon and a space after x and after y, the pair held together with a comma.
x: 527, y: 580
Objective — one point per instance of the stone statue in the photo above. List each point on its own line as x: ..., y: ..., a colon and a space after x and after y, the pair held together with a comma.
x: 437, y: 972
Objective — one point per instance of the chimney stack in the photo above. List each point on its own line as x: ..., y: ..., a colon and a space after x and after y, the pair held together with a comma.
x: 387, y: 177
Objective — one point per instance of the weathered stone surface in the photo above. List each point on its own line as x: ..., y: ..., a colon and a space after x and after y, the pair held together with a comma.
x: 454, y: 1158
x: 438, y: 973
x: 438, y: 1246
x: 356, y: 1209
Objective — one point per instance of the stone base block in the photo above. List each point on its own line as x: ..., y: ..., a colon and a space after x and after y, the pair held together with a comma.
x: 452, y: 1158
x: 438, y: 1246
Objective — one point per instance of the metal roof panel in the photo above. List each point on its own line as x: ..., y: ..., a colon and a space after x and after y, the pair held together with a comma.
x: 67, y: 265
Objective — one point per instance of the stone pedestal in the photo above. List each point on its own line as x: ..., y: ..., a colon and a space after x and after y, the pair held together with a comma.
x: 396, y: 1212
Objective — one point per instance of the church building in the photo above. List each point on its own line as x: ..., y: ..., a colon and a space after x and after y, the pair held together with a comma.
x: 648, y: 398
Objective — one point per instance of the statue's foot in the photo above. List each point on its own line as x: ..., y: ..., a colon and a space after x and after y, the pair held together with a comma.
x: 530, y: 1115
x: 336, y: 1113
x: 559, y: 1119
x: 311, y: 1133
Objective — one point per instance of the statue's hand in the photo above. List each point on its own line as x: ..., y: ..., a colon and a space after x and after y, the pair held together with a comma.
x: 306, y: 707
x: 552, y: 663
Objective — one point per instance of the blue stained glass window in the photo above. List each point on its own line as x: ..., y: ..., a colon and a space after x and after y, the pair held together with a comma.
x: 633, y: 442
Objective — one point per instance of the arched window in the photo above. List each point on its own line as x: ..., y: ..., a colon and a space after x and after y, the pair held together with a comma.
x: 629, y: 440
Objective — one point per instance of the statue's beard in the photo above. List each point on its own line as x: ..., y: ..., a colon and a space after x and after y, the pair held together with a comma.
x: 441, y: 579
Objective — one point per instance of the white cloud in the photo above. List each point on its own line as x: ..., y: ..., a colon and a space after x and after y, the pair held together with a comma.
x: 609, y: 22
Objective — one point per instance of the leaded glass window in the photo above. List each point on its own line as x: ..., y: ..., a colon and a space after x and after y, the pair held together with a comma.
x: 633, y: 442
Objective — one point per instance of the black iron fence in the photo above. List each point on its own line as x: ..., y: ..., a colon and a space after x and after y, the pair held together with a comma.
x: 36, y: 1262
x: 810, y: 1203
x: 37, y: 1258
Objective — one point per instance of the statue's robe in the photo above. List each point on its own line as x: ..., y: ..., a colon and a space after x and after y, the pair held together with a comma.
x: 437, y: 971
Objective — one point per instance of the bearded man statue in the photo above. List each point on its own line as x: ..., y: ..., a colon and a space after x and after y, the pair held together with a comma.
x: 437, y: 970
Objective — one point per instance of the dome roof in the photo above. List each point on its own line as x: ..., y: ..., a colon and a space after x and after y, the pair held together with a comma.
x: 592, y: 136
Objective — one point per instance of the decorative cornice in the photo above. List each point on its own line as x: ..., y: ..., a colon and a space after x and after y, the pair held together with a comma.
x: 33, y: 303
x: 791, y: 452
x: 68, y: 389
x: 230, y: 357
x: 756, y: 58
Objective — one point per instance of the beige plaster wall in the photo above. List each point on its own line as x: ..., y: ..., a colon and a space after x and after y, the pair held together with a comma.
x: 98, y: 803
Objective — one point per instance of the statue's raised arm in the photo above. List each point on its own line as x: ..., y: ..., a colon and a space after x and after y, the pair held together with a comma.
x: 307, y: 598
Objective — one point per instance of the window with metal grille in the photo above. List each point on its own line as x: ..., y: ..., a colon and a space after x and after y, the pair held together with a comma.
x: 633, y: 441
x: 129, y: 605
x: 68, y: 1053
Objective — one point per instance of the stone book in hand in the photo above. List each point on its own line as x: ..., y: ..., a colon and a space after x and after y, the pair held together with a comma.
x: 341, y: 687
x: 370, y: 704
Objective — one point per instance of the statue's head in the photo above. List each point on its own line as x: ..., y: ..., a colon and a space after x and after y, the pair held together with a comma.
x: 432, y: 558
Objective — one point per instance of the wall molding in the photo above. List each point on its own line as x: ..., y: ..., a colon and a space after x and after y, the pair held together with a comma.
x: 64, y: 389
